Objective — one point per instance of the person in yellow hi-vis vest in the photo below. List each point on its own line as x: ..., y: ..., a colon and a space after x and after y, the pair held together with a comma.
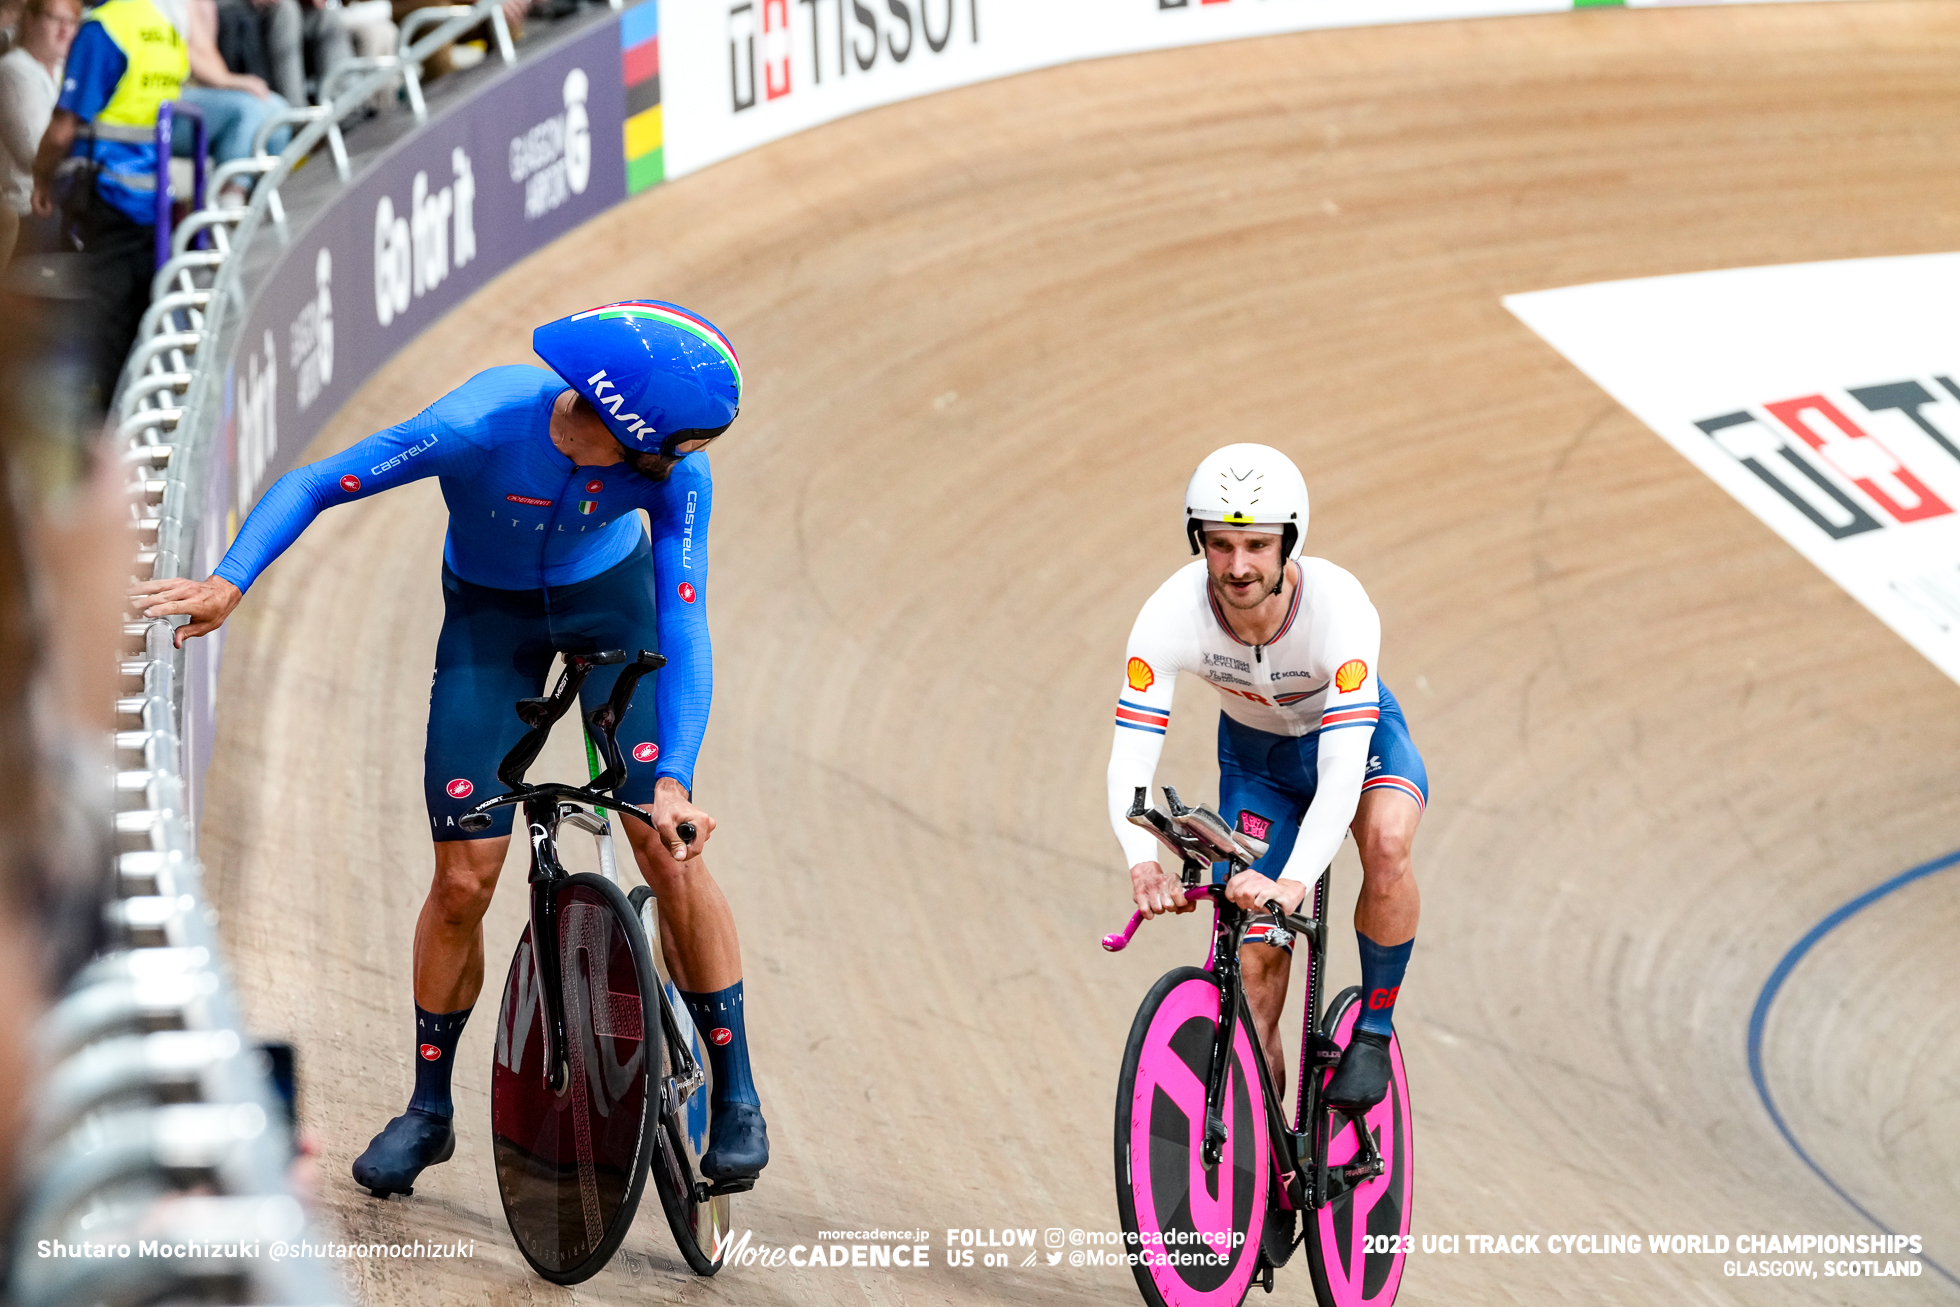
x: 98, y: 163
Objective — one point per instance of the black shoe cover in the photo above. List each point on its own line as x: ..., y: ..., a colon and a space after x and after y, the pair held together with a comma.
x: 1362, y: 1078
x: 738, y: 1143
x: 406, y: 1145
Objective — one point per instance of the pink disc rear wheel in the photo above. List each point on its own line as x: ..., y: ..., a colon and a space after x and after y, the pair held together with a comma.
x: 1358, y: 1244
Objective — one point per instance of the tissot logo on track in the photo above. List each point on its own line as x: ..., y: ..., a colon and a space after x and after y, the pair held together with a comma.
x: 776, y: 46
x: 1840, y: 472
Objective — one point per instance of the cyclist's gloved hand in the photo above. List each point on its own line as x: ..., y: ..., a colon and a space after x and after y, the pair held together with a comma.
x: 670, y: 807
x: 1251, y: 890
x: 1156, y: 890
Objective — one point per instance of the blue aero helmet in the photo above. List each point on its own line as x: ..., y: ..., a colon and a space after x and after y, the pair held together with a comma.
x: 658, y: 375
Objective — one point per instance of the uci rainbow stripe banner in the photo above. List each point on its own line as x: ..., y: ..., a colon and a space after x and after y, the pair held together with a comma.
x: 639, y: 56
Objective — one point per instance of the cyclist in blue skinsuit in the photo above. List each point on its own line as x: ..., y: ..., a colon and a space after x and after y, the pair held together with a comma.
x: 545, y: 554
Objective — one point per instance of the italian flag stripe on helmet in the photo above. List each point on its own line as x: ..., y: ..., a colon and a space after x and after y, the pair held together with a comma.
x: 691, y: 325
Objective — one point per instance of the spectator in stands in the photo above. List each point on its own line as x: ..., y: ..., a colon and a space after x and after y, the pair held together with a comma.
x: 129, y: 57
x: 233, y: 104
x: 441, y: 62
x: 279, y: 39
x: 10, y: 16
x: 30, y: 76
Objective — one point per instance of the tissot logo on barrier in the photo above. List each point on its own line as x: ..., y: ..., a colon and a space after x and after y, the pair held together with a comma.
x: 775, y: 46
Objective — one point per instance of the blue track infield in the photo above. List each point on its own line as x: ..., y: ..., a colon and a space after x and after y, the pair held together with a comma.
x: 1759, y: 1018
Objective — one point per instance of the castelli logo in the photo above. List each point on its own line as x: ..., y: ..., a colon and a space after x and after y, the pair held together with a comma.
x: 594, y: 487
x: 687, y: 592
x: 430, y: 1053
x: 721, y: 1034
x: 646, y: 752
x: 460, y: 788
x: 350, y: 483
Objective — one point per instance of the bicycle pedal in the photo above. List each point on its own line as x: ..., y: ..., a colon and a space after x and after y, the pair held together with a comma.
x: 740, y: 1184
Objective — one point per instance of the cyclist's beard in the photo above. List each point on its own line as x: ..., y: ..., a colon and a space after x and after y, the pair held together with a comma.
x: 654, y: 467
x: 1256, y: 594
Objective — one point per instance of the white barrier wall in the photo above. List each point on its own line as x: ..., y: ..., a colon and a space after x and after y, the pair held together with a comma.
x: 738, y: 73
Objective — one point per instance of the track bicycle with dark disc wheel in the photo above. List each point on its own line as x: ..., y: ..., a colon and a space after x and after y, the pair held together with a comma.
x: 1216, y: 1189
x: 599, y: 1074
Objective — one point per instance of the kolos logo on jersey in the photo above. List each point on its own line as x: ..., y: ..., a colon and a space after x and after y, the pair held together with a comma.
x: 1141, y: 675
x: 459, y: 788
x: 646, y: 751
x: 1349, y: 675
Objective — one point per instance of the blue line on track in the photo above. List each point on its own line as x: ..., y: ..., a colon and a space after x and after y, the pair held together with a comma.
x: 1759, y: 1018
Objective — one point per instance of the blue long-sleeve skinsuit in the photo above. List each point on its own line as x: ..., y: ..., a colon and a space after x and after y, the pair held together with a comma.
x: 542, y: 556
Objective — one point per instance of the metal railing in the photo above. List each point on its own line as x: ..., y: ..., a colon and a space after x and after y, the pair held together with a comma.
x: 157, y: 1164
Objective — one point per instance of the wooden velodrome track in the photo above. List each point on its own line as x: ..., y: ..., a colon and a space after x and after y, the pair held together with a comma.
x: 987, y: 335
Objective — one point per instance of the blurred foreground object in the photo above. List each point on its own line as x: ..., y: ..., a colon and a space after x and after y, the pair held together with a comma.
x: 135, y: 1120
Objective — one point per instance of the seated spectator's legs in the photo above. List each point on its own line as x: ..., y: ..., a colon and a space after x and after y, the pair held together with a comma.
x: 285, y: 46
x: 231, y: 119
x: 327, y: 42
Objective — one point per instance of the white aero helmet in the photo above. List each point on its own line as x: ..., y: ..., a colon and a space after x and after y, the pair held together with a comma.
x: 1247, y: 488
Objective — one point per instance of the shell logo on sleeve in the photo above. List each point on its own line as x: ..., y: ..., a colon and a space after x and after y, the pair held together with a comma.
x: 1141, y: 677
x: 1349, y: 675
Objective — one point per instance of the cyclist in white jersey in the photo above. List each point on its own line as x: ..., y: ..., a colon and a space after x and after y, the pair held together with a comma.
x: 1310, y: 743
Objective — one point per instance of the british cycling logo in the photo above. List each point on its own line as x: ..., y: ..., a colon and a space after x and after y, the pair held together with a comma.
x: 553, y: 160
x: 797, y: 48
x: 416, y: 251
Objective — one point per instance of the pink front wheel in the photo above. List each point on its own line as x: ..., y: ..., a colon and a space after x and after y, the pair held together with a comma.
x: 1358, y: 1244
x: 1192, y: 1229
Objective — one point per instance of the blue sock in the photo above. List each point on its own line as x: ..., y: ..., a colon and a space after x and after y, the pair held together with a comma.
x: 436, y: 1034
x: 718, y: 1016
x: 1381, y: 982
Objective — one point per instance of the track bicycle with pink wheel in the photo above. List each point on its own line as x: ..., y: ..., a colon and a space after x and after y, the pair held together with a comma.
x: 1215, y: 1188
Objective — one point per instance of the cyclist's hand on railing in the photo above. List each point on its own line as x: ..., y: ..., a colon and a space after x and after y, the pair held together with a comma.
x: 671, y: 807
x: 1157, y: 891
x: 1252, y: 891
x: 208, y: 603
